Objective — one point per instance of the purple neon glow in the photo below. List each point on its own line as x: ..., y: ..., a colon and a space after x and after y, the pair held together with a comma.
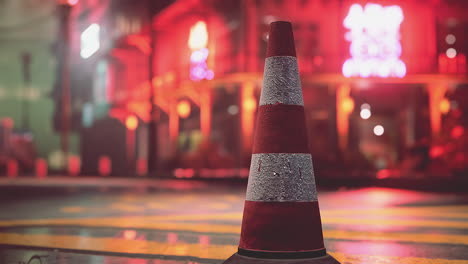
x: 375, y: 41
x: 198, y: 67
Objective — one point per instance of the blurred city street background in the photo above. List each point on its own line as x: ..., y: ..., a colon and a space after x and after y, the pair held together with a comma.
x: 126, y: 127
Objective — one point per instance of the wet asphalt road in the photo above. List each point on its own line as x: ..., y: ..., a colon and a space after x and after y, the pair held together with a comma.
x: 170, y: 222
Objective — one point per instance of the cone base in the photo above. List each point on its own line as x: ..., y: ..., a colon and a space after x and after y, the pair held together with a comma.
x: 238, y: 259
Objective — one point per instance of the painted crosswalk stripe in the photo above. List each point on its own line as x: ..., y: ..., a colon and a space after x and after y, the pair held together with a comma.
x: 151, y: 248
x: 326, y: 219
x: 454, y: 239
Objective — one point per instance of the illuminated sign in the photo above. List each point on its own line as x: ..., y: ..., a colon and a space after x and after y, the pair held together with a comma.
x: 197, y: 42
x: 89, y: 41
x: 374, y: 36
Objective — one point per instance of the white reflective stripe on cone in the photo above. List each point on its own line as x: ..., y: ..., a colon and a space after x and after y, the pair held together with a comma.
x: 281, y: 177
x: 281, y: 81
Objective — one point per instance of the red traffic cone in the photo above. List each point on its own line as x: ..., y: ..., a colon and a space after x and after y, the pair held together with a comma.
x: 281, y: 222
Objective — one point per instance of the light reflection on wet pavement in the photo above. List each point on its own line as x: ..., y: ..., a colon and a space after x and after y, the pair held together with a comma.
x: 371, y: 225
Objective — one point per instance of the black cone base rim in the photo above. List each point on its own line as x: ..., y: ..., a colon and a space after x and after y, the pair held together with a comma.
x: 282, y: 255
x: 238, y: 259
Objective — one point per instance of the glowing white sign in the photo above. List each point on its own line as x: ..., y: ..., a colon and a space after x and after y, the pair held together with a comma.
x: 89, y: 41
x: 375, y: 41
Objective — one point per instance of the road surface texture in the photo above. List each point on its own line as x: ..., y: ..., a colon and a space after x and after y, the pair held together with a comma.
x: 170, y: 222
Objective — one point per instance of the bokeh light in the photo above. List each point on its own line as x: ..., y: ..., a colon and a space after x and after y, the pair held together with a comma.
x: 450, y: 39
x: 365, y: 113
x: 451, y: 53
x: 444, y: 106
x: 131, y: 122
x: 184, y: 109
x: 378, y: 130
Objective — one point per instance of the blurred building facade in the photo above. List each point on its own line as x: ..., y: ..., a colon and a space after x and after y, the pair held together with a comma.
x: 399, y: 118
x: 383, y: 83
x: 208, y: 71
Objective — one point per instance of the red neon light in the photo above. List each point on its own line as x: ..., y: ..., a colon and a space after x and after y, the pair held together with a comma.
x: 375, y: 47
x: 12, y: 168
x: 105, y: 165
x: 41, y: 168
x: 74, y: 165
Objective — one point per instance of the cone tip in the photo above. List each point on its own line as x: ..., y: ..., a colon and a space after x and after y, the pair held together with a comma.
x: 281, y: 39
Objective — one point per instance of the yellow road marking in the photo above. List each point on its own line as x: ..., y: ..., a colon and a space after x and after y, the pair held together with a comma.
x: 359, y: 259
x: 218, y: 206
x: 233, y: 198
x: 389, y: 222
x: 111, y: 220
x: 158, y: 205
x: 235, y: 229
x: 72, y: 209
x: 221, y: 252
x: 119, y: 245
x: 327, y: 217
x: 399, y: 237
x: 125, y: 207
x: 433, y: 211
x: 326, y: 220
x: 394, y: 222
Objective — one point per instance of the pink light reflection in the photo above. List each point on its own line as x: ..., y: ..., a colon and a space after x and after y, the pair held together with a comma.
x: 172, y: 238
x: 204, y: 240
x: 198, y: 67
x: 373, y: 248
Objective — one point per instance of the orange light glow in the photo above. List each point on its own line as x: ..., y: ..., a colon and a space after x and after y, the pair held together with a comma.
x: 444, y: 106
x: 184, y: 108
x: 347, y: 105
x: 173, y: 123
x: 249, y: 104
x: 139, y: 109
x: 169, y: 77
x: 131, y: 122
x: 198, y: 36
x: 436, y: 96
x: 344, y: 106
